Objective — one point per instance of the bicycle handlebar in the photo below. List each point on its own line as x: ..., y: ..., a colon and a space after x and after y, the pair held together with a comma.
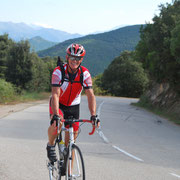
x: 80, y: 120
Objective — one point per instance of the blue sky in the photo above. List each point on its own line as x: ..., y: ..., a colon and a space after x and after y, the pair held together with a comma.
x: 80, y: 16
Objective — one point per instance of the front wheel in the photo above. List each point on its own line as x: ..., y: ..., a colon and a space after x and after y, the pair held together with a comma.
x: 75, y: 165
x: 53, y: 171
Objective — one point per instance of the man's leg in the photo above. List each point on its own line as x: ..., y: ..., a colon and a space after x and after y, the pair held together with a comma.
x: 52, y: 134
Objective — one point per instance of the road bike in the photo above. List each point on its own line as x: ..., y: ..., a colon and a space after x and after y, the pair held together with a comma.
x: 70, y: 163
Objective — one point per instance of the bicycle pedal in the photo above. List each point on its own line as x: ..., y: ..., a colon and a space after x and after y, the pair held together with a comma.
x: 63, y: 171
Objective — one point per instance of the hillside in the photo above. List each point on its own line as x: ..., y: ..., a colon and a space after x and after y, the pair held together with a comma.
x: 21, y: 31
x: 101, y: 48
x: 37, y: 43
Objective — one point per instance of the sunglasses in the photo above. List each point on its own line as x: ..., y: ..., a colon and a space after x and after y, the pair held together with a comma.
x: 75, y: 58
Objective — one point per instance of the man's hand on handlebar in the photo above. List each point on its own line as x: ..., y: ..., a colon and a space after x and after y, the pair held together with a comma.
x: 95, y: 121
x: 55, y: 118
x: 56, y: 122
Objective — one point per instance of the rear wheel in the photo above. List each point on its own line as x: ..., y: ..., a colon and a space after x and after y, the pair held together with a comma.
x: 75, y: 165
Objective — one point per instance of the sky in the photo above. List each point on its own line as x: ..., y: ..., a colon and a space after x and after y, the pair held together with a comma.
x: 80, y: 16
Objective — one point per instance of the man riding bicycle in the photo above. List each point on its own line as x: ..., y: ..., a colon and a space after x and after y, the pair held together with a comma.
x: 68, y: 80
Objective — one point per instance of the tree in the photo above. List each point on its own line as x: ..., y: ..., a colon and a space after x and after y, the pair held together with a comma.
x: 19, y: 64
x: 125, y: 77
x: 5, y: 44
x: 159, y: 46
x: 40, y: 75
x: 175, y: 42
x: 97, y: 85
x: 51, y: 64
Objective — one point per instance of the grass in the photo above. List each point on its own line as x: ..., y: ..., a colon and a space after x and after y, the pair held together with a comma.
x: 9, y: 94
x: 30, y: 96
x: 27, y: 96
x: 171, y: 116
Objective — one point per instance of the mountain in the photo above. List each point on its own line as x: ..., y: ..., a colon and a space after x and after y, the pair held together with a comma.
x: 21, y: 31
x: 116, y: 27
x: 101, y: 48
x: 120, y: 26
x: 37, y: 43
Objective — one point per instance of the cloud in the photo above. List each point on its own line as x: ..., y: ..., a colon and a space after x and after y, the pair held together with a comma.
x: 42, y: 25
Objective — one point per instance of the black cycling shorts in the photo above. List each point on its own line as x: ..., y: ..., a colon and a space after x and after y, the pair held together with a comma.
x: 67, y: 112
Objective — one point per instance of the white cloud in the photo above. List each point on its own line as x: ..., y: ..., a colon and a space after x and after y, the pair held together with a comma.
x: 42, y: 25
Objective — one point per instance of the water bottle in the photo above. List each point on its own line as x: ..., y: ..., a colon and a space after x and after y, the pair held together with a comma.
x: 61, y: 147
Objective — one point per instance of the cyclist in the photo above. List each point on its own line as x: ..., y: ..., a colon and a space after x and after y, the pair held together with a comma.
x: 66, y: 95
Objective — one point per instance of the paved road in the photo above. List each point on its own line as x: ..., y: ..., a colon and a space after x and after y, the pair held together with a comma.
x: 132, y: 144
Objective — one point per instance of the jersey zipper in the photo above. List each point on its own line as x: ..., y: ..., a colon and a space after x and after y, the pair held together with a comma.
x: 69, y: 95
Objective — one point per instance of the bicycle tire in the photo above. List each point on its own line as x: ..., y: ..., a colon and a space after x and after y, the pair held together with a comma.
x: 78, y: 168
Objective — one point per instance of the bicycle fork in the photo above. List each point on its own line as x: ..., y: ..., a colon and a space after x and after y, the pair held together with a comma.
x: 71, y: 142
x: 50, y: 168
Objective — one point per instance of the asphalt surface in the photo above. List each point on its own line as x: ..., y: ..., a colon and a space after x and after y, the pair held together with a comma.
x: 132, y: 144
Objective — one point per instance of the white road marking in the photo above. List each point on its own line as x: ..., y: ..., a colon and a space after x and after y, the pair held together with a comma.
x: 178, y: 176
x: 101, y: 134
x: 99, y: 108
x: 128, y: 154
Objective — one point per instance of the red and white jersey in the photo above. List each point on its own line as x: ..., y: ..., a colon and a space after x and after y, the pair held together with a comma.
x: 70, y: 93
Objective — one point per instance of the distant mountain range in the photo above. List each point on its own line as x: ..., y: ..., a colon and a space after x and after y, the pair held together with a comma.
x: 37, y: 43
x: 22, y: 31
x: 101, y: 48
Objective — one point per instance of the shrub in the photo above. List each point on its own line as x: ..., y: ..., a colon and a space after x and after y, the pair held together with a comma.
x: 97, y: 87
x: 125, y: 77
x: 7, y: 91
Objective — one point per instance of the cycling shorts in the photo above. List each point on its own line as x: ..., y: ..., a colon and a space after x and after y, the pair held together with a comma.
x: 66, y: 112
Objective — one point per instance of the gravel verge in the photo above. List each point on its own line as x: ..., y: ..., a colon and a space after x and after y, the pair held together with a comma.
x: 5, y: 110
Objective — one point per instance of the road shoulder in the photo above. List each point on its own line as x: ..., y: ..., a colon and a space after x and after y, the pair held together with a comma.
x: 5, y: 110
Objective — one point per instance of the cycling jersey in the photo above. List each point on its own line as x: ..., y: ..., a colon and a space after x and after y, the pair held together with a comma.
x: 70, y: 91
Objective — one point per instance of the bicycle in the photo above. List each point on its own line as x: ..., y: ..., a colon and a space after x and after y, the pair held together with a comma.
x: 70, y: 163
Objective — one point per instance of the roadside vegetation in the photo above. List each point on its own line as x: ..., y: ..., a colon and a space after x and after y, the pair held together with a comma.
x: 9, y: 94
x: 23, y: 75
x: 155, y: 60
x: 159, y: 52
x: 144, y: 103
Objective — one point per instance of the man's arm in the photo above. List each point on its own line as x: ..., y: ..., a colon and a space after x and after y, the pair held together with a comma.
x: 91, y: 101
x: 52, y: 130
x: 92, y: 104
x: 55, y: 100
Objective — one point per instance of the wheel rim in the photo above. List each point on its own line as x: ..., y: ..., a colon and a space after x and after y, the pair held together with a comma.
x: 77, y: 166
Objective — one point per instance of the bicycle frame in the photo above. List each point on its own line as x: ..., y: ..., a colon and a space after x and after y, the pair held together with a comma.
x: 70, y: 144
x: 72, y: 141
